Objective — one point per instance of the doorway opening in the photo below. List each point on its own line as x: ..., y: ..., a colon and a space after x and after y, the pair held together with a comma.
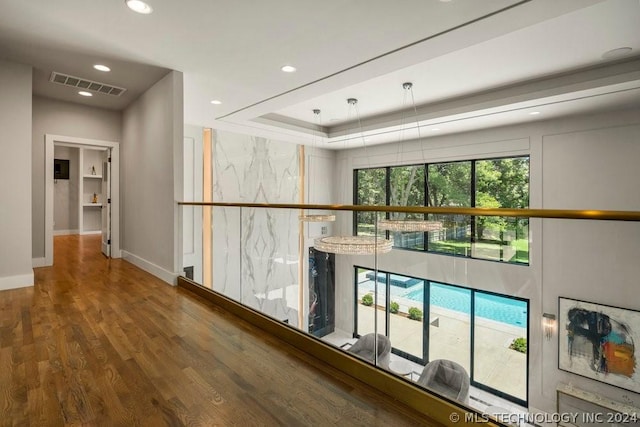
x: 93, y: 203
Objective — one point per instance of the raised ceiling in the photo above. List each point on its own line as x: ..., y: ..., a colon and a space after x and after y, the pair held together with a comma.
x: 473, y: 63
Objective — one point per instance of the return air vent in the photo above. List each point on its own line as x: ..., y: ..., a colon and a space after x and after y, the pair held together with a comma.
x: 81, y: 83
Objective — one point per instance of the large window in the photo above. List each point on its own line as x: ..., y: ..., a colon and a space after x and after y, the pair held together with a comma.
x: 372, y: 191
x: 425, y: 320
x: 494, y: 183
x: 406, y: 188
x: 502, y: 183
x: 449, y: 185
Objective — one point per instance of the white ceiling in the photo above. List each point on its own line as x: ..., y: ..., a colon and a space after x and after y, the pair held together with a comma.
x: 453, y: 52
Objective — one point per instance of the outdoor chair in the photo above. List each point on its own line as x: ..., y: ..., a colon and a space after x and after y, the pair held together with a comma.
x: 364, y: 348
x: 447, y: 378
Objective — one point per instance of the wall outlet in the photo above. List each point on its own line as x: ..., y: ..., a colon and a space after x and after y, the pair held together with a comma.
x: 323, y: 230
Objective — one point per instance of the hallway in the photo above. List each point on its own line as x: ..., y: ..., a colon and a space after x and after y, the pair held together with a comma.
x: 100, y: 342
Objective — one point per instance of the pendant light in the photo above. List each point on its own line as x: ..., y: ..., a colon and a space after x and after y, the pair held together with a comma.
x: 409, y: 225
x: 316, y: 217
x: 354, y: 245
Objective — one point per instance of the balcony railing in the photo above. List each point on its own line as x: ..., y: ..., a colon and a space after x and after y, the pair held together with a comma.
x: 440, y: 323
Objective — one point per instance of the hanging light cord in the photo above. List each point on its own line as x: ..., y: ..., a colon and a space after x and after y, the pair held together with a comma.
x: 415, y: 113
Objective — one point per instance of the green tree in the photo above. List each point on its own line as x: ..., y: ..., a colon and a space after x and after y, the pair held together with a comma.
x: 371, y: 191
x: 501, y: 183
x: 449, y: 184
x: 406, y: 188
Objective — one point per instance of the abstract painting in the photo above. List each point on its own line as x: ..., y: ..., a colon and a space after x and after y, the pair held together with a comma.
x: 600, y: 342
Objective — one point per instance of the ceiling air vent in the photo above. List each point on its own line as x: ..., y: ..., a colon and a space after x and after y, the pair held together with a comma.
x: 81, y: 83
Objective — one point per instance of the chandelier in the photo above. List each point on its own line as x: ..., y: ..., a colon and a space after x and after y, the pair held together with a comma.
x: 316, y: 217
x: 353, y: 245
x: 408, y: 225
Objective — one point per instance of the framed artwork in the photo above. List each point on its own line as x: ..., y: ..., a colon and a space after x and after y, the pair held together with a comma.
x: 600, y: 342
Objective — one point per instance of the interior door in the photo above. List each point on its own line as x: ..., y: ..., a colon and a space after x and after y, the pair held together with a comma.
x: 106, y: 203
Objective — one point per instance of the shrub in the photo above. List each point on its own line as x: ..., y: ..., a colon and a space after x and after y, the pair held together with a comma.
x: 367, y: 299
x: 415, y: 313
x: 519, y: 344
x: 394, y: 307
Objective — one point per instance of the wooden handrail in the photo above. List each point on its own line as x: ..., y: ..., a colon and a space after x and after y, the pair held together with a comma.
x: 517, y: 213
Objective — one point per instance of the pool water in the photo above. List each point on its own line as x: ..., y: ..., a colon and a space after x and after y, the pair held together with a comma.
x: 492, y: 307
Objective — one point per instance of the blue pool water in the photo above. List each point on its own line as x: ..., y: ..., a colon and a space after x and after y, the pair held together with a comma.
x: 493, y: 307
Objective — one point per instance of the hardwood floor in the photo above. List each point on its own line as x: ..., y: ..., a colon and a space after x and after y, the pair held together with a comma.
x: 99, y: 342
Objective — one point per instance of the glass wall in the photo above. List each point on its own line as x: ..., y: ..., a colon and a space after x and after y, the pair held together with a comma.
x: 406, y: 188
x: 449, y: 185
x: 367, y: 304
x: 449, y: 324
x: 490, y: 183
x: 502, y: 183
x: 485, y: 333
x: 500, y: 344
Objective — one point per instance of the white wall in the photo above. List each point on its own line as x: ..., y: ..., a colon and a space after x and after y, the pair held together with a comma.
x: 15, y: 176
x: 152, y: 178
x: 593, y: 261
x: 65, y: 197
x: 62, y: 118
x: 586, y: 162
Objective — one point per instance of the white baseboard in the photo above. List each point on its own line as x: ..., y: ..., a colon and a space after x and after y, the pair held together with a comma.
x: 149, y: 267
x: 39, y: 262
x: 65, y: 232
x: 14, y: 282
x: 84, y: 233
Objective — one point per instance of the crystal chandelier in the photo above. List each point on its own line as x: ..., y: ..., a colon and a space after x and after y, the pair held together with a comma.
x: 353, y: 245
x: 316, y: 217
x: 408, y: 225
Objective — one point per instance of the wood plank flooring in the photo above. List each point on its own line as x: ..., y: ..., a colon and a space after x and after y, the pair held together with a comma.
x: 99, y: 342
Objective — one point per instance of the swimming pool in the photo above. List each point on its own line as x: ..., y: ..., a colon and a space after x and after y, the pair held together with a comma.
x: 492, y: 307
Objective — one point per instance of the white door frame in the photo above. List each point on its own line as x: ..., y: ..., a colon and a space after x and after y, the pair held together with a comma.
x: 70, y: 141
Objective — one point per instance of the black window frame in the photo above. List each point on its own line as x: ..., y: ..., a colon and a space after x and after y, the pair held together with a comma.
x: 426, y: 322
x: 473, y: 190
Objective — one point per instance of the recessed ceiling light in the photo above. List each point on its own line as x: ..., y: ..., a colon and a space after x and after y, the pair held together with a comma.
x: 435, y: 129
x: 216, y: 102
x: 139, y: 6
x: 617, y: 53
x: 85, y: 93
x: 534, y: 113
x: 288, y: 68
x: 101, y: 67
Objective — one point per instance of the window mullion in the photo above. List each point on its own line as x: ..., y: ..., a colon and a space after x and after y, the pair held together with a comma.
x: 473, y: 204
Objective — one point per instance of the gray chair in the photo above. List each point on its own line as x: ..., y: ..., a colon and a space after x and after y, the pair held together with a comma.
x: 364, y: 348
x: 447, y: 378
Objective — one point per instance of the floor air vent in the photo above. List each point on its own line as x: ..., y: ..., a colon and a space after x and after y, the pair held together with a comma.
x: 81, y: 83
